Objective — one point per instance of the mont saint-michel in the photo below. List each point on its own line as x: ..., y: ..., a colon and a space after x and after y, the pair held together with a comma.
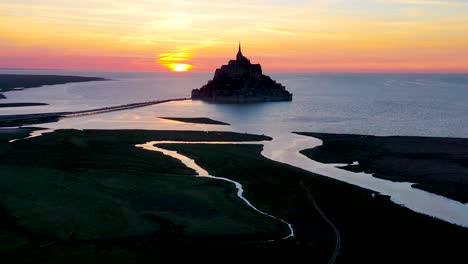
x: 240, y: 81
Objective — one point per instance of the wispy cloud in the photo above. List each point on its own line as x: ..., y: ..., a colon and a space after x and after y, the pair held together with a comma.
x: 429, y: 2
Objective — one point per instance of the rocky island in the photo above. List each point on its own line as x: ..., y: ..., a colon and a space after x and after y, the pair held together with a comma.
x: 240, y: 81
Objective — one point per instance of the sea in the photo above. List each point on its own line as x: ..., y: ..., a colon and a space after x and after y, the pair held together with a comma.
x: 356, y: 103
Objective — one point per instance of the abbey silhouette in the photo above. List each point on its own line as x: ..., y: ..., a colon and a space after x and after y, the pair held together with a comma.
x: 240, y: 81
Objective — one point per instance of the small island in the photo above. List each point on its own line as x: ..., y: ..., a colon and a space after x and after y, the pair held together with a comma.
x: 196, y: 120
x: 240, y: 81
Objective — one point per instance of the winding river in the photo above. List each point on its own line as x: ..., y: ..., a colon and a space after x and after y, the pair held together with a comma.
x: 203, y: 173
x: 285, y: 148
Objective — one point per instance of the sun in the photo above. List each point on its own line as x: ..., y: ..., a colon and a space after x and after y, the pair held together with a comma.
x: 176, y: 61
x: 180, y: 67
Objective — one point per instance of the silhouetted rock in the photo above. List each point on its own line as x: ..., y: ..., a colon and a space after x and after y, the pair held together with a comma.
x: 241, y: 82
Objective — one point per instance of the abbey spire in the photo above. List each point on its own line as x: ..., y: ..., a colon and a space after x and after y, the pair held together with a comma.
x: 239, y: 56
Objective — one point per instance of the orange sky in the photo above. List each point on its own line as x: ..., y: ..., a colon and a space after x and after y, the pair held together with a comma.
x: 306, y: 36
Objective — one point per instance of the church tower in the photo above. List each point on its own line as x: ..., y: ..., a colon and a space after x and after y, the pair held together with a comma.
x: 239, y: 56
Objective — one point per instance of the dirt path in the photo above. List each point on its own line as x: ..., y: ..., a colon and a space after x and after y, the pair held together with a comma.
x: 335, y: 230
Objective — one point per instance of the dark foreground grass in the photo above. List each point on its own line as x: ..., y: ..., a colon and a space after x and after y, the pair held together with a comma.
x: 438, y: 165
x: 7, y: 134
x: 373, y: 230
x: 92, y: 196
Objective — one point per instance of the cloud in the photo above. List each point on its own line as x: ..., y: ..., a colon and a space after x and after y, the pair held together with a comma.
x: 428, y: 2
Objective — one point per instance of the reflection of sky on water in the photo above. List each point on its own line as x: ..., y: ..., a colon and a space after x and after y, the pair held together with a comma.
x: 379, y: 104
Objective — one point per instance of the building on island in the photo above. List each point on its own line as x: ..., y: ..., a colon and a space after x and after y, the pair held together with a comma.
x: 240, y: 81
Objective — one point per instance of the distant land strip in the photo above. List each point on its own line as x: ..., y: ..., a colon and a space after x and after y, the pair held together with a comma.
x: 196, y: 120
x: 29, y: 119
x: 9, y: 82
x: 20, y: 104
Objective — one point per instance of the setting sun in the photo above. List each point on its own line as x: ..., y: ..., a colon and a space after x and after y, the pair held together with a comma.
x: 176, y: 60
x: 180, y: 67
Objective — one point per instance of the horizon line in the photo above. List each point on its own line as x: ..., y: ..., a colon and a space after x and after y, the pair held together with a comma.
x: 274, y: 71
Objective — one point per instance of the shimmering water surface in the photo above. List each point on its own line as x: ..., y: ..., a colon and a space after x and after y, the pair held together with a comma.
x: 378, y: 104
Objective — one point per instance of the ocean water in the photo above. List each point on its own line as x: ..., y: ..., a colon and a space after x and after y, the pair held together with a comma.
x: 376, y: 104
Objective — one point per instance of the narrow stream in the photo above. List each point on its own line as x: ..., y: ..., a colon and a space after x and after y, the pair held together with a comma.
x: 285, y: 148
x: 203, y: 173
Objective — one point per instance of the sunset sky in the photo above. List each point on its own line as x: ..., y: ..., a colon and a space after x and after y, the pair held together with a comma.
x: 305, y: 36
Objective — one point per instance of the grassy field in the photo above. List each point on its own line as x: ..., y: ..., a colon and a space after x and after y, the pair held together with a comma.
x: 7, y: 134
x: 438, y: 165
x: 81, y: 191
